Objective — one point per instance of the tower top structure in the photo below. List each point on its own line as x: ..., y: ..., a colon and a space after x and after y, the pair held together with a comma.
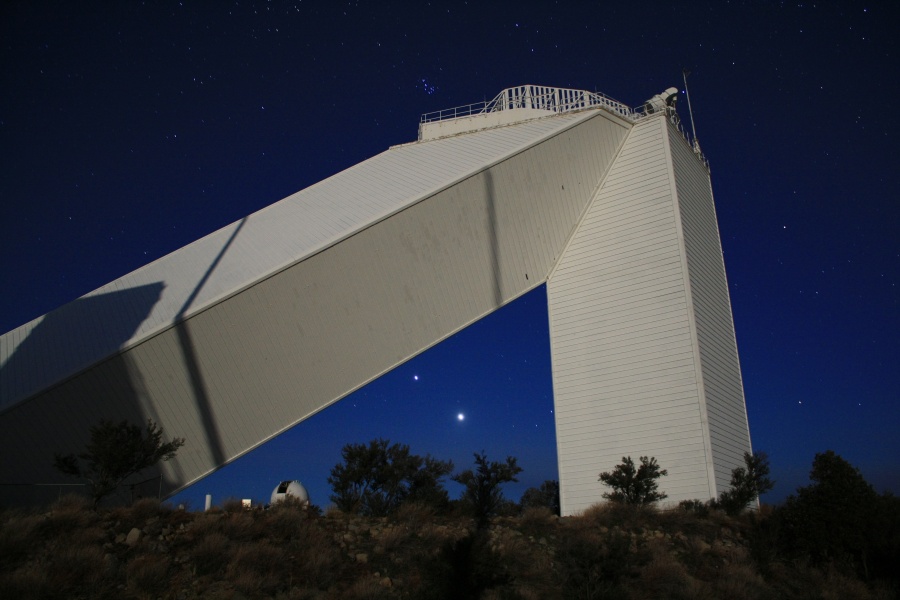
x: 526, y: 102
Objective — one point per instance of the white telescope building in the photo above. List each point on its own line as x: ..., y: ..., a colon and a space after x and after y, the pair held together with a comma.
x: 242, y: 334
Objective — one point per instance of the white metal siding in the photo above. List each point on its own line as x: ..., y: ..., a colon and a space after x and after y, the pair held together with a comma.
x: 148, y: 300
x: 625, y: 376
x: 281, y: 348
x: 724, y: 396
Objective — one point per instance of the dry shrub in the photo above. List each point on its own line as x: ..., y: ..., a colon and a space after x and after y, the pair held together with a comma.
x: 233, y: 505
x: 434, y: 534
x: 394, y: 537
x: 538, y: 520
x: 146, y: 508
x: 594, y: 565
x: 135, y: 515
x: 76, y: 568
x: 625, y: 516
x: 71, y: 503
x: 16, y: 538
x: 837, y: 586
x: 698, y: 590
x: 689, y: 523
x: 366, y: 588
x: 63, y: 521
x: 89, y: 536
x: 528, y: 563
x: 147, y: 575
x: 174, y: 518
x: 283, y: 523
x: 461, y: 568
x: 210, y: 554
x: 239, y: 527
x: 699, y: 560
x: 314, y: 559
x: 256, y: 568
x: 206, y: 524
x: 737, y: 555
x: 740, y: 582
x: 414, y: 514
x: 663, y: 576
x: 29, y: 582
x: 218, y: 590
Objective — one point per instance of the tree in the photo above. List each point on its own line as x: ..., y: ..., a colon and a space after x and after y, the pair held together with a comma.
x: 634, y: 486
x: 833, y: 519
x: 116, y: 452
x: 482, y: 491
x: 375, y: 479
x: 547, y: 496
x: 747, y: 483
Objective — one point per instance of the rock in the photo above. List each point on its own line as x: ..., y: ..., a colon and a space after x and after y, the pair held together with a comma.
x: 362, y: 557
x: 386, y: 582
x: 120, y: 539
x: 133, y: 536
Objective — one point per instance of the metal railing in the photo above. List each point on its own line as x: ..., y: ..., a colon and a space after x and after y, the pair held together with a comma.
x: 558, y: 100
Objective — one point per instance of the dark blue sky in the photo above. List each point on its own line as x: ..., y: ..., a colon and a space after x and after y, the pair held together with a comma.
x: 130, y: 130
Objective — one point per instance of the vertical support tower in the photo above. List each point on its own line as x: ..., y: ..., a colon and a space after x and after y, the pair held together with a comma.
x: 642, y: 340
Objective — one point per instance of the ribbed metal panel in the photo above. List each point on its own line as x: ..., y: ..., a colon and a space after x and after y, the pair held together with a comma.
x: 725, y: 407
x: 309, y: 299
x: 150, y: 299
x: 626, y: 376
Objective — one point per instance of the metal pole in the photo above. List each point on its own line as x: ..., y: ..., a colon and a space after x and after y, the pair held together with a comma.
x: 696, y: 145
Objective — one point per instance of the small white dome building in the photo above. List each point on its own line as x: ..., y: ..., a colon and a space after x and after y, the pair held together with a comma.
x: 294, y: 489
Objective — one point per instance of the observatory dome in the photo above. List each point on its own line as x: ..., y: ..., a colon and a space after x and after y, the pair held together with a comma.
x: 293, y: 489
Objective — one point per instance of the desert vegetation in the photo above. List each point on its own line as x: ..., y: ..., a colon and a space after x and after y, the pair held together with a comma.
x: 70, y: 550
x: 392, y: 532
x: 115, y: 452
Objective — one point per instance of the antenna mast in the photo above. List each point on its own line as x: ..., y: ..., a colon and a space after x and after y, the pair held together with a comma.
x: 695, y: 144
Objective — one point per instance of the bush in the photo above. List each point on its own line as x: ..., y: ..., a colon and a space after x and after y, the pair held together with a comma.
x: 483, y: 494
x: 210, y: 554
x: 634, y: 485
x: 254, y: 568
x: 696, y: 507
x: 747, y: 484
x: 115, y: 452
x: 546, y: 496
x: 375, y: 479
x: 597, y: 565
x: 147, y: 574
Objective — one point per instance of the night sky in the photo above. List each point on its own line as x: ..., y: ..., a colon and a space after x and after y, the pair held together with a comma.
x: 130, y: 130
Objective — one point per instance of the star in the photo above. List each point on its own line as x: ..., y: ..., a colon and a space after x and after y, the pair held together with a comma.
x: 460, y: 417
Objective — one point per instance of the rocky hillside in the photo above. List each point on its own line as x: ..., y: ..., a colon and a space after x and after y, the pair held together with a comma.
x: 148, y: 551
